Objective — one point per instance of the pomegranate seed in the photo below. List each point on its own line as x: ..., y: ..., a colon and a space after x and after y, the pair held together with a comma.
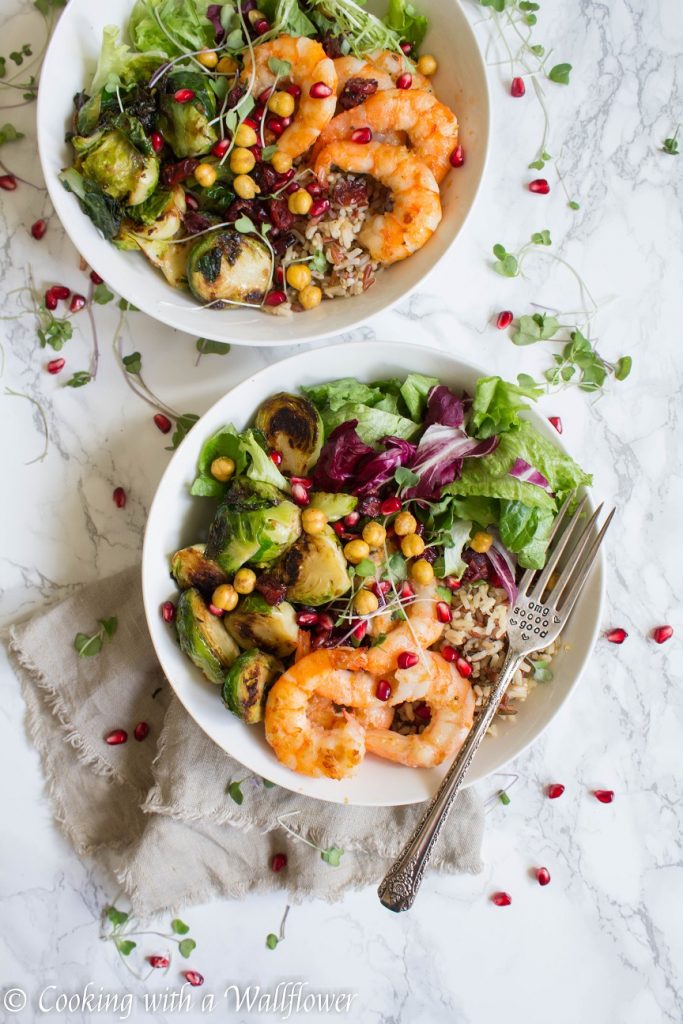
x: 404, y: 81
x: 616, y: 636
x: 141, y: 731
x: 303, y: 480
x: 261, y: 27
x: 278, y: 862
x: 168, y: 611
x: 56, y: 365
x: 501, y: 899
x: 556, y: 422
x: 338, y: 529
x: 362, y: 136
x: 300, y: 494
x: 423, y: 712
x: 315, y: 188
x: 279, y: 275
x: 390, y: 505
x: 293, y: 90
x: 276, y: 458
x: 191, y: 202
x: 457, y: 157
x: 326, y: 621
x: 221, y: 148
x: 662, y: 633
x: 505, y: 318
x: 320, y: 638
x: 183, y: 95
x: 249, y: 121
x: 605, y: 796
x: 517, y: 87
x: 38, y: 229
x: 215, y: 610
x: 381, y: 587
x: 119, y: 497
x: 60, y: 291
x: 406, y: 592
x: 307, y: 619
x: 449, y: 653
x: 258, y: 153
x: 50, y: 299
x: 158, y: 961
x: 443, y: 612
x: 77, y: 303
x: 320, y: 91
x: 8, y: 182
x: 319, y: 207
x: 452, y: 583
x: 275, y: 298
x: 194, y: 977
x: 543, y: 876
x: 406, y: 47
x: 407, y: 659
x: 162, y: 422
x: 95, y: 277
x: 463, y: 667
x: 275, y: 125
x: 157, y: 140
x: 116, y: 737
x: 360, y: 630
x: 293, y: 187
x: 540, y: 186
x: 383, y: 691
x: 554, y: 790
x: 352, y: 518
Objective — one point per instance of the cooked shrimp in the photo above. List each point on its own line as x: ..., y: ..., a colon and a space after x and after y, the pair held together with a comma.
x: 416, y: 212
x: 380, y: 716
x: 323, y: 711
x: 441, y: 739
x: 430, y: 126
x: 421, y: 630
x: 432, y: 679
x: 309, y: 66
x: 381, y: 66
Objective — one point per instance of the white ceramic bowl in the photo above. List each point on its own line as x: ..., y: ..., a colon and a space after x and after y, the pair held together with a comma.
x: 68, y: 67
x: 176, y: 519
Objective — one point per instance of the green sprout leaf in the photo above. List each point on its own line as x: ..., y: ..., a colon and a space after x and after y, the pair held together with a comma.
x: 183, y: 425
x: 405, y: 477
x: 318, y: 262
x: 506, y: 264
x: 179, y: 927
x: 127, y: 307
x: 268, y: 784
x: 8, y: 133
x: 79, y: 379
x: 245, y: 225
x: 332, y: 856
x: 133, y: 362
x: 541, y: 672
x: 109, y: 625
x: 669, y: 146
x: 281, y: 68
x: 623, y: 367
x: 271, y: 941
x: 87, y: 646
x: 116, y: 917
x: 235, y: 792
x: 530, y: 329
x: 541, y: 238
x: 366, y: 568
x: 560, y: 74
x: 205, y: 347
x: 125, y: 946
x: 573, y: 205
x: 503, y: 797
x: 101, y: 294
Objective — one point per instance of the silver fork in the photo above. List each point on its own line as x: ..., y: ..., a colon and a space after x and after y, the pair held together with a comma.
x: 535, y: 621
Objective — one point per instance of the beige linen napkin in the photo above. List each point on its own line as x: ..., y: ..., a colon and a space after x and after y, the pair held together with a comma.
x: 157, y: 811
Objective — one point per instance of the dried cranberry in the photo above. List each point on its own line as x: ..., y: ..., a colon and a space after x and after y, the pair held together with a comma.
x: 333, y: 45
x: 195, y: 222
x: 280, y: 214
x: 356, y: 91
x: 283, y: 242
x: 271, y: 588
x: 173, y: 174
x: 370, y: 505
x: 241, y: 206
x: 478, y: 566
x: 350, y: 192
x: 265, y: 177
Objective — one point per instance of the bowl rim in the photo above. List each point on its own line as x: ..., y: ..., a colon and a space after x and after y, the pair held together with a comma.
x: 152, y: 610
x: 83, y: 243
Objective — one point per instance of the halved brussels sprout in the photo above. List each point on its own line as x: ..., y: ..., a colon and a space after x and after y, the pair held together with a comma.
x: 314, y: 569
x: 170, y: 257
x: 292, y: 426
x: 203, y: 637
x: 191, y: 568
x: 247, y: 683
x: 254, y: 523
x: 121, y: 170
x: 156, y: 220
x: 335, y: 506
x: 229, y: 266
x: 255, y: 623
x: 186, y: 126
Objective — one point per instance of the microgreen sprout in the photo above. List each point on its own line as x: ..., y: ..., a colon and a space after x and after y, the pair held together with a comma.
x: 124, y: 931
x: 331, y: 855
x: 670, y: 145
x: 89, y: 645
x: 273, y: 940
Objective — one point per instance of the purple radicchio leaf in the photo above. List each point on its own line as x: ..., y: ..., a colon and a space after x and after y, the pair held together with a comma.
x: 213, y: 13
x: 444, y: 407
x: 377, y: 469
x: 504, y: 568
x: 339, y: 458
x: 524, y: 471
x: 439, y: 456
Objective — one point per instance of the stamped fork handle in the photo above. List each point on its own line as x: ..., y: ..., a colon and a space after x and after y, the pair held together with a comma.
x: 401, y: 883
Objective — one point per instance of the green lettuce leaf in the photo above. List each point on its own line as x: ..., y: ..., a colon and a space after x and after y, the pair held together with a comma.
x: 414, y: 391
x: 118, y: 66
x: 496, y: 406
x: 226, y: 442
x: 373, y: 424
x: 342, y: 392
x: 403, y: 18
x: 171, y: 27
x: 526, y: 531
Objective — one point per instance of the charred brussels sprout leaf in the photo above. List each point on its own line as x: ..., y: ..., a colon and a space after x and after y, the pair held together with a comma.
x: 254, y: 523
x: 335, y: 506
x: 111, y: 160
x: 228, y: 266
x: 105, y: 212
x: 191, y: 568
x: 255, y: 623
x: 203, y: 637
x: 292, y: 426
x: 209, y: 264
x: 186, y: 126
x: 314, y: 569
x: 247, y: 683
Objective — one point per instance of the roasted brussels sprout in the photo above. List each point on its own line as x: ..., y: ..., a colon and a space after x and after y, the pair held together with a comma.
x: 229, y: 266
x: 247, y: 683
x: 254, y: 523
x: 191, y: 568
x: 203, y: 637
x: 335, y: 506
x: 158, y: 219
x: 314, y: 569
x: 186, y: 126
x: 170, y: 257
x: 272, y: 628
x: 292, y: 426
x: 111, y: 160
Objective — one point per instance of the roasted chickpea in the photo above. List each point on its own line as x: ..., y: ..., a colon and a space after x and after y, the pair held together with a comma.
x: 245, y: 187
x: 205, y: 175
x: 298, y: 275
x: 421, y: 572
x: 300, y: 202
x: 225, y: 597
x: 281, y: 104
x: 374, y: 534
x: 405, y: 523
x: 281, y: 161
x: 412, y: 546
x: 427, y: 65
x: 226, y: 66
x: 313, y: 520
x: 241, y: 160
x: 365, y: 602
x: 481, y: 542
x: 355, y: 551
x: 244, y: 581
x: 256, y: 16
x: 310, y: 296
x: 222, y: 468
x: 208, y: 58
x: 245, y: 136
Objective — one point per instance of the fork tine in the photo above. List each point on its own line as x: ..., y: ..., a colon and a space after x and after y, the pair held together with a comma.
x: 569, y: 600
x: 556, y: 553
x: 574, y: 559
x: 528, y: 576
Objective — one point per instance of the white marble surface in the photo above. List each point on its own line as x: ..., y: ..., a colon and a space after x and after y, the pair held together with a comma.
x: 602, y: 943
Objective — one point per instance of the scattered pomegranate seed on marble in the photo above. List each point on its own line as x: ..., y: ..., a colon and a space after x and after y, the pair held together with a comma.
x: 539, y: 186
x: 517, y: 87
x: 56, y: 365
x: 194, y: 978
x: 605, y: 796
x: 543, y: 876
x: 50, y: 299
x: 8, y: 182
x: 77, y: 303
x: 504, y: 319
x: 60, y: 291
x: 158, y: 961
x: 501, y: 899
x: 554, y: 790
x: 38, y: 229
x: 95, y: 277
x: 556, y: 422
x: 162, y: 422
x: 616, y: 636
x: 662, y: 633
x: 119, y: 497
